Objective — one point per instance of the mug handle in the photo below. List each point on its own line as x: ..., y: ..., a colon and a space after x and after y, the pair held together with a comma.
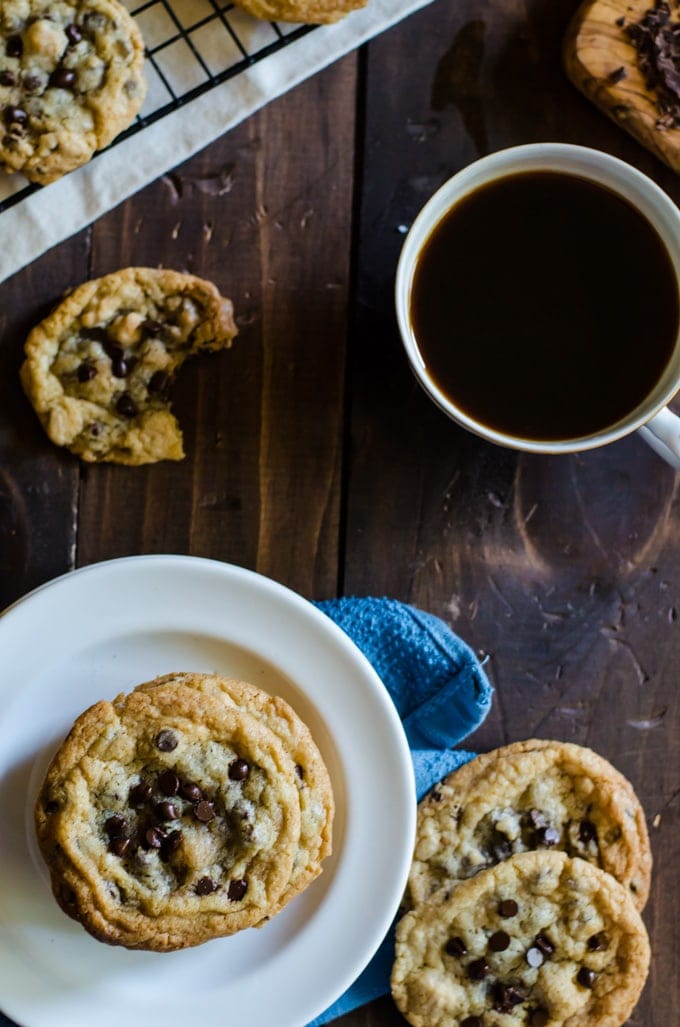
x: 662, y: 433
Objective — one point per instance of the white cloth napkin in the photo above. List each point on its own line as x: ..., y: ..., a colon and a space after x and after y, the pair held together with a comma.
x: 51, y: 214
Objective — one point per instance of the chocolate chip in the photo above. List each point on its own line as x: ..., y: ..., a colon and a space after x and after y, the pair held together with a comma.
x: 436, y: 796
x: 139, y: 794
x: 95, y: 428
x: 171, y: 843
x: 538, y: 1017
x: 237, y: 890
x: 505, y: 997
x: 51, y: 806
x: 455, y: 947
x: 7, y: 78
x: 159, y: 381
x: 113, y: 349
x: 586, y: 977
x: 120, y: 368
x: 86, y: 372
x: 621, y: 21
x: 94, y: 335
x: 167, y: 810
x: 119, y: 846
x: 32, y: 83
x: 152, y: 327
x: 204, y: 811
x: 587, y: 831
x: 618, y: 75
x: 73, y: 34
x: 15, y: 116
x: 14, y: 47
x: 189, y: 790
x: 499, y: 941
x: 508, y: 908
x: 238, y: 770
x: 154, y: 837
x: 126, y: 407
x: 168, y: 783
x: 165, y: 740
x: 300, y: 771
x: 535, y: 957
x: 204, y: 886
x: 62, y: 78
x: 544, y: 945
x: 472, y: 1021
x: 598, y: 941
x: 115, y: 826
x: 478, y: 969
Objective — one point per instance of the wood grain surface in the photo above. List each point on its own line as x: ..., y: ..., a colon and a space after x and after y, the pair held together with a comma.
x: 596, y: 49
x: 314, y: 457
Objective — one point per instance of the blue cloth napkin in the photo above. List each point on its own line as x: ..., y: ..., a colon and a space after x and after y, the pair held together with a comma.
x: 441, y: 693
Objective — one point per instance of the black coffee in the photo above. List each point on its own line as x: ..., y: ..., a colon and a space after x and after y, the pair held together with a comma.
x: 545, y: 306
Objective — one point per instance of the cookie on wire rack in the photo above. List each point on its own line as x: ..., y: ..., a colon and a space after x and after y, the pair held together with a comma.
x: 71, y: 80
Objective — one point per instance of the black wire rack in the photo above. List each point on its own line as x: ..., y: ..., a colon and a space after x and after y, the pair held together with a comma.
x: 192, y: 47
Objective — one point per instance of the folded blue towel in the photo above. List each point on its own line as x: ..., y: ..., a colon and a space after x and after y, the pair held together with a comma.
x: 442, y: 694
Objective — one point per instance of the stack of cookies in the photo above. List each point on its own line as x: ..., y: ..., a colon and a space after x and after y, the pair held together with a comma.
x: 531, y: 866
x: 189, y: 809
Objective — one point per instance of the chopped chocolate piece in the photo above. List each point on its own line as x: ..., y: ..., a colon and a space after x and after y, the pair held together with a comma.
x: 189, y: 790
x: 499, y: 941
x: 115, y: 826
x: 14, y: 47
x: 587, y: 831
x: 140, y: 793
x: 538, y: 1017
x: 168, y: 783
x: 656, y: 38
x: 205, y: 886
x: 62, y: 78
x: 119, y: 846
x: 86, y: 372
x: 544, y: 944
x: 126, y: 407
x: 167, y: 810
x: 598, y: 942
x: 505, y: 997
x: 534, y: 957
x: 508, y: 908
x: 586, y: 977
x: 238, y: 770
x: 204, y: 811
x: 237, y: 890
x: 618, y: 75
x: 455, y: 947
x: 478, y: 969
x: 165, y: 740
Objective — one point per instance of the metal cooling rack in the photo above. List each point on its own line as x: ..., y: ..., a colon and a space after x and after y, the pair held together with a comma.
x: 192, y: 46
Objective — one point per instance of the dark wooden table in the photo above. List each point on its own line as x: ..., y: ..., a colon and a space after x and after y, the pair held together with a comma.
x: 314, y: 458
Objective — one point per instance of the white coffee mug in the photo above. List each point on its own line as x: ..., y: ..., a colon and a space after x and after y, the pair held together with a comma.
x: 659, y: 426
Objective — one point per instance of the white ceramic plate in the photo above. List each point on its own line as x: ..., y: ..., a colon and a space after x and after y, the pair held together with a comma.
x: 104, y: 629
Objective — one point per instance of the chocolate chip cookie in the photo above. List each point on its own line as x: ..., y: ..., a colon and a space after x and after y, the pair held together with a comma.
x: 71, y: 79
x: 99, y: 368
x: 313, y: 782
x: 314, y: 12
x: 533, y: 795
x: 539, y: 940
x: 168, y: 818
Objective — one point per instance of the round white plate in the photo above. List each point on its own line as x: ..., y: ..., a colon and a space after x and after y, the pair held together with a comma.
x: 106, y: 628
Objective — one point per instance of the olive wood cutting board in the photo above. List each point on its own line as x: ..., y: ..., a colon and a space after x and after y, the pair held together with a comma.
x: 596, y: 48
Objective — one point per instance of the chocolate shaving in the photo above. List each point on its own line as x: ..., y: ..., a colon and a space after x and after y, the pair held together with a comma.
x: 656, y: 37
